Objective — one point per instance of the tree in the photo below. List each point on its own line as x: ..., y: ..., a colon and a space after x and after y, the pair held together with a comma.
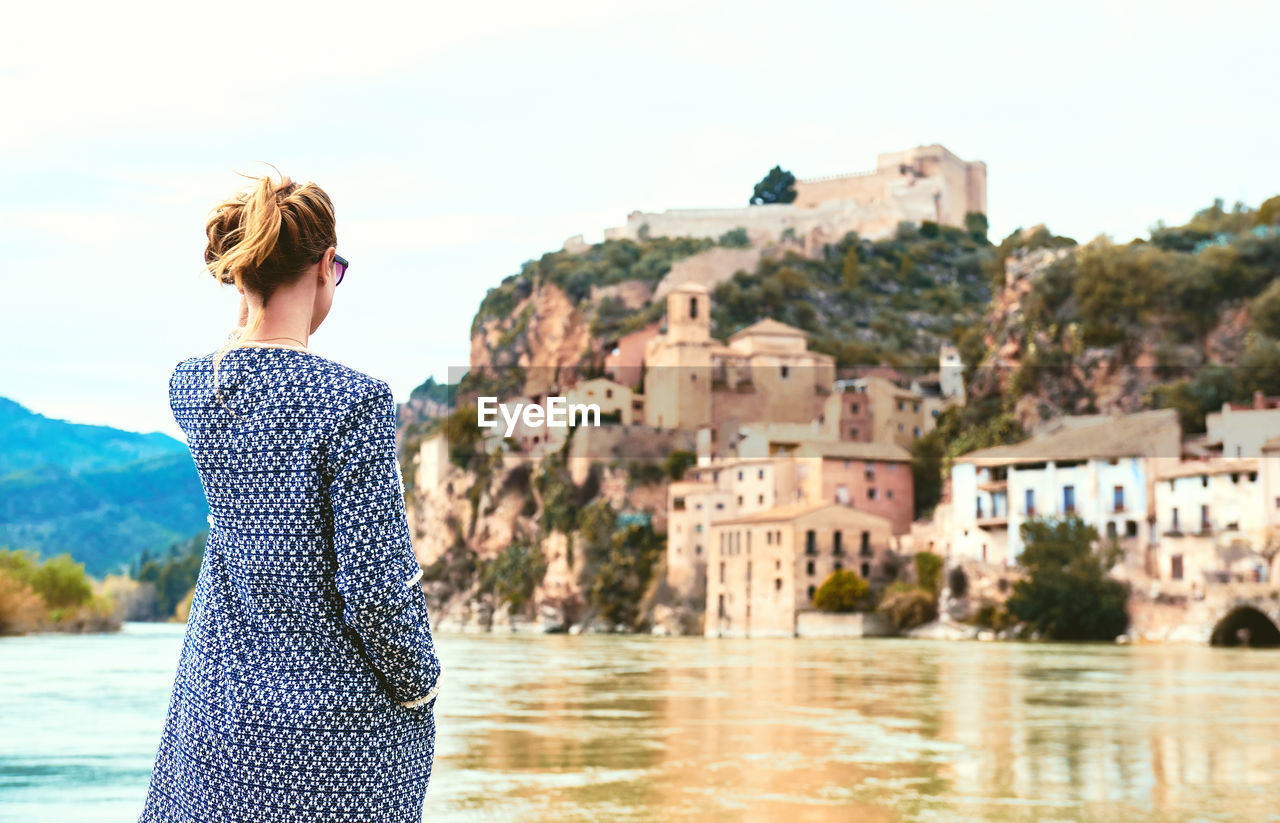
x: 928, y: 571
x: 678, y: 461
x: 851, y: 269
x: 975, y: 222
x: 778, y: 186
x: 840, y: 592
x: 1067, y: 594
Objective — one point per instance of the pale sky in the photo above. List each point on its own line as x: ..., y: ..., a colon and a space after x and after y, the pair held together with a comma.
x: 458, y: 142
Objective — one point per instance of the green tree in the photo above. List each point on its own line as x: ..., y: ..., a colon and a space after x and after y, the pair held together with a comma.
x: 514, y: 573
x: 1067, y: 594
x: 678, y: 461
x: 62, y: 583
x: 851, y: 269
x: 735, y: 238
x: 840, y: 592
x: 778, y: 186
x: 1264, y: 311
x: 975, y: 222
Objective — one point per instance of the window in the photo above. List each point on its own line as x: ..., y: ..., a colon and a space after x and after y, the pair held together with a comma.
x: 871, y: 493
x: 808, y: 567
x: 777, y: 584
x: 760, y: 499
x: 608, y: 393
x: 677, y: 503
x: 853, y: 408
x: 866, y: 571
x: 836, y: 540
x: 722, y: 574
x: 768, y: 538
x: 853, y: 431
x: 760, y: 474
x: 785, y: 370
x: 915, y: 431
x: 693, y: 308
x: 739, y: 474
x: 1068, y: 499
x: 1204, y: 518
x: 1111, y: 528
x: 810, y: 542
x: 902, y: 406
x: 1117, y: 499
x: 839, y: 565
x: 979, y: 507
x: 1175, y: 567
x: 697, y: 549
x: 864, y: 547
x: 722, y: 605
x: 1131, y: 528
x: 1174, y: 521
x: 1204, y: 481
x: 889, y: 494
x: 811, y: 592
x: 739, y: 500
x: 1030, y: 506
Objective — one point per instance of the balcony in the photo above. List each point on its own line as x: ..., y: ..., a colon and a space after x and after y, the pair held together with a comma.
x: 993, y: 521
x: 993, y: 485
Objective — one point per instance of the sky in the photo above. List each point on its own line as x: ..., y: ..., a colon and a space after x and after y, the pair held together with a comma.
x: 460, y: 140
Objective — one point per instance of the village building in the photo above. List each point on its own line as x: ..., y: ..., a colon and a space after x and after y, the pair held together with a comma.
x: 764, y: 373
x: 1212, y: 522
x: 764, y: 568
x: 614, y: 399
x: 1241, y: 430
x: 870, y: 477
x: 1098, y: 467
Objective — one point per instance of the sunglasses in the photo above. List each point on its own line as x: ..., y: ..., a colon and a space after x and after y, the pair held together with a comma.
x: 340, y: 265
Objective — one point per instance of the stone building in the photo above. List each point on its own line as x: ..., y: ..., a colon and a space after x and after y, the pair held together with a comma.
x: 917, y: 184
x: 763, y: 568
x: 764, y: 373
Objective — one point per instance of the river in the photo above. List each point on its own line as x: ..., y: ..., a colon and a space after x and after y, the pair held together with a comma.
x: 595, y: 727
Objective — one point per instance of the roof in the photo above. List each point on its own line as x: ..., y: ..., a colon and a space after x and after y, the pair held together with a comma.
x: 852, y: 450
x: 769, y: 327
x: 793, y: 511
x: 1128, y: 435
x: 1198, y: 468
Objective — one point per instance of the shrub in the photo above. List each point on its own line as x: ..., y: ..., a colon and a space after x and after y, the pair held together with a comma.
x: 928, y: 571
x: 21, y: 609
x: 678, y: 461
x: 840, y: 592
x: 907, y: 606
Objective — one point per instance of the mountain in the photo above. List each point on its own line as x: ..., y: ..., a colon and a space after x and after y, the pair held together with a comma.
x: 98, y: 493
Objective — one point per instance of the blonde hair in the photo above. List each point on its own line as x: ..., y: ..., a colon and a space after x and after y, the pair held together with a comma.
x: 264, y: 238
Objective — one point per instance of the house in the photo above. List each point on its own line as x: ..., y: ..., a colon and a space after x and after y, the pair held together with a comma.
x: 765, y: 567
x: 1099, y: 467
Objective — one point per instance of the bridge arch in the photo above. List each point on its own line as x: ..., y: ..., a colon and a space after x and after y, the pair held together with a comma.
x: 1245, y: 626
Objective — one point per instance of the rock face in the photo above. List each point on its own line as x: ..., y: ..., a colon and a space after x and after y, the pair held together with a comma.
x: 542, y: 337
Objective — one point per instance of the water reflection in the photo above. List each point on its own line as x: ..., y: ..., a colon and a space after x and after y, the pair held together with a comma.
x: 638, y: 728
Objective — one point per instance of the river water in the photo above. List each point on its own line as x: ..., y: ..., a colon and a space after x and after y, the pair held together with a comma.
x: 562, y: 728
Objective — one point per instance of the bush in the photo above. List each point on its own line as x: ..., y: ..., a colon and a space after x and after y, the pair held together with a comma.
x: 907, y: 606
x: 928, y: 571
x: 840, y: 592
x: 1067, y: 594
x: 21, y: 609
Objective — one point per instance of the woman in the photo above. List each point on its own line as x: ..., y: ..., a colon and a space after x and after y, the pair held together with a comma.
x: 306, y: 686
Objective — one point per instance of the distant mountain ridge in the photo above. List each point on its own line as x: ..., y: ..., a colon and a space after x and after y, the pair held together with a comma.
x: 98, y: 493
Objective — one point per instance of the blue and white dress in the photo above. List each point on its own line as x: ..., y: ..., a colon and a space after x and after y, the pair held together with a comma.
x: 307, y: 681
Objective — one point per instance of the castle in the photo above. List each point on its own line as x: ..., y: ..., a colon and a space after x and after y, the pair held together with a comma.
x: 925, y: 183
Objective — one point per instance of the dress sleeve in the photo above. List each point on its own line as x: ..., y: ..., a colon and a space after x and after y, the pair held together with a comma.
x: 377, y: 573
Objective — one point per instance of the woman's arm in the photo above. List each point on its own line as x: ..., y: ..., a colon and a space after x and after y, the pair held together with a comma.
x: 377, y: 573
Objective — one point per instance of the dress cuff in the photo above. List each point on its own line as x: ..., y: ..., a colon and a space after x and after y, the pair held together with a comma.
x: 426, y: 698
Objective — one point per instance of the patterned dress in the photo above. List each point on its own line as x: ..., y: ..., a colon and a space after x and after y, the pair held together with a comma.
x: 307, y: 681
